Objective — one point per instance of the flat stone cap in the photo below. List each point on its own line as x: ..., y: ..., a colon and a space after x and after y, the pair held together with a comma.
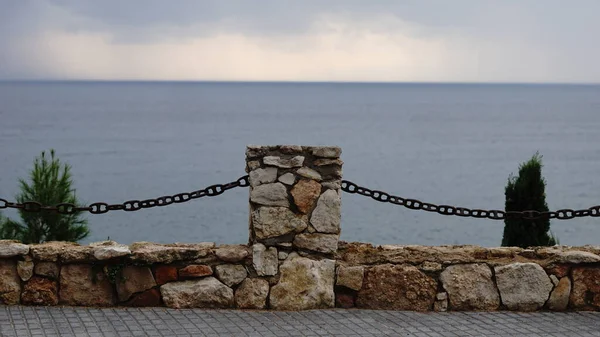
x: 253, y: 151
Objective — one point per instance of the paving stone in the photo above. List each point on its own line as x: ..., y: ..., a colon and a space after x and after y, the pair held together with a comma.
x: 79, y: 321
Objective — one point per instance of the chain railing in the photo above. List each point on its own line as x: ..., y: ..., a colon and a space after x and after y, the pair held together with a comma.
x: 414, y: 204
x: 130, y: 205
x: 346, y: 186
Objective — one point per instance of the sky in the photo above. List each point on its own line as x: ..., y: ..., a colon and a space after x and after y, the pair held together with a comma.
x: 533, y: 41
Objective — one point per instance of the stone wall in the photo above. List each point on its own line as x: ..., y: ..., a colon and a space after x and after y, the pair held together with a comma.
x: 470, y: 278
x: 295, y: 261
x: 360, y: 275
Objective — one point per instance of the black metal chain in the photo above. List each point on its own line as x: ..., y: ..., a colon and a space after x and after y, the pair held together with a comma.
x: 562, y: 214
x: 347, y: 186
x: 128, y: 206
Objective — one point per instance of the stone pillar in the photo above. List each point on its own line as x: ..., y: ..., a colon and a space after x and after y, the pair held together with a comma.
x: 294, y: 198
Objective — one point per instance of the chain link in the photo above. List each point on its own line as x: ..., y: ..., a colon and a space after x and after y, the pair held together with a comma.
x: 494, y: 214
x: 347, y: 186
x: 130, y: 205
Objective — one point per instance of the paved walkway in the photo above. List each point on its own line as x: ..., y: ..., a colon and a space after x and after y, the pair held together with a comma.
x: 67, y: 321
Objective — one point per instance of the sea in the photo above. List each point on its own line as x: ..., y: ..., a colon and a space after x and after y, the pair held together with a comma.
x: 453, y: 144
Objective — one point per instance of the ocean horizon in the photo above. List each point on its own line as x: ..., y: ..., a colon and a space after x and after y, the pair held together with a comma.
x: 444, y: 143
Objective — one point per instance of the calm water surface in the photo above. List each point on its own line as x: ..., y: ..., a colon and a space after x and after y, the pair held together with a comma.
x: 447, y: 144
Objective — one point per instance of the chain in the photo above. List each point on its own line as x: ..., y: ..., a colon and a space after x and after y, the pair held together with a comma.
x: 128, y: 206
x: 562, y: 214
x: 347, y: 186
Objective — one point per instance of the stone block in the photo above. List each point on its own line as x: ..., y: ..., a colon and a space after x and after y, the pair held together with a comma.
x: 264, y: 260
x: 397, y: 287
x: 10, y: 284
x: 350, y: 277
x: 40, y: 291
x: 81, y: 284
x: 470, y: 287
x: 523, y: 286
x: 133, y: 280
x: 304, y: 284
x: 207, y: 292
x: 252, y: 294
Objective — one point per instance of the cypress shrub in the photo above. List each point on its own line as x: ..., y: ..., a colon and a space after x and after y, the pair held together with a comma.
x: 527, y: 192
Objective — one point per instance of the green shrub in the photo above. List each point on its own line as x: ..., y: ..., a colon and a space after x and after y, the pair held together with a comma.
x: 50, y: 184
x: 527, y: 192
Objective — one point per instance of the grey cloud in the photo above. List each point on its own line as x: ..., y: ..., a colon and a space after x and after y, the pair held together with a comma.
x: 565, y: 30
x: 544, y: 19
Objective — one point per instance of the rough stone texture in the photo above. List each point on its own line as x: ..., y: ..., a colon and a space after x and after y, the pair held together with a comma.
x: 282, y: 255
x: 309, y: 173
x: 25, y: 269
x: 344, y: 300
x: 440, y: 305
x: 48, y: 269
x: 289, y: 149
x: 304, y: 284
x: 51, y: 251
x: 554, y: 280
x: 470, y: 287
x: 270, y: 195
x: 297, y: 161
x: 195, y: 270
x: 10, y: 248
x: 134, y: 280
x: 586, y: 288
x: 264, y: 260
x: 148, y: 298
x: 81, y: 284
x: 332, y: 185
x: 350, y: 277
x: 326, y: 151
x: 305, y: 194
x: 252, y: 165
x: 232, y: 253
x: 576, y: 257
x: 396, y: 287
x: 203, y: 293
x: 322, y: 243
x: 254, y: 151
x: 327, y: 215
x: 288, y: 179
x: 559, y: 298
x: 107, y: 250
x: 504, y: 252
x: 270, y: 222
x: 560, y: 270
x: 77, y: 254
x: 364, y: 253
x: 10, y: 284
x: 325, y: 162
x: 40, y: 291
x: 158, y: 253
x: 263, y: 176
x: 231, y: 274
x: 252, y: 294
x: 164, y: 274
x: 431, y: 266
x: 523, y: 286
x: 441, y: 302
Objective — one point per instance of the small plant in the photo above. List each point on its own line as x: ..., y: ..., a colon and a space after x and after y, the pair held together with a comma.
x: 114, y: 273
x: 527, y: 192
x: 50, y: 184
